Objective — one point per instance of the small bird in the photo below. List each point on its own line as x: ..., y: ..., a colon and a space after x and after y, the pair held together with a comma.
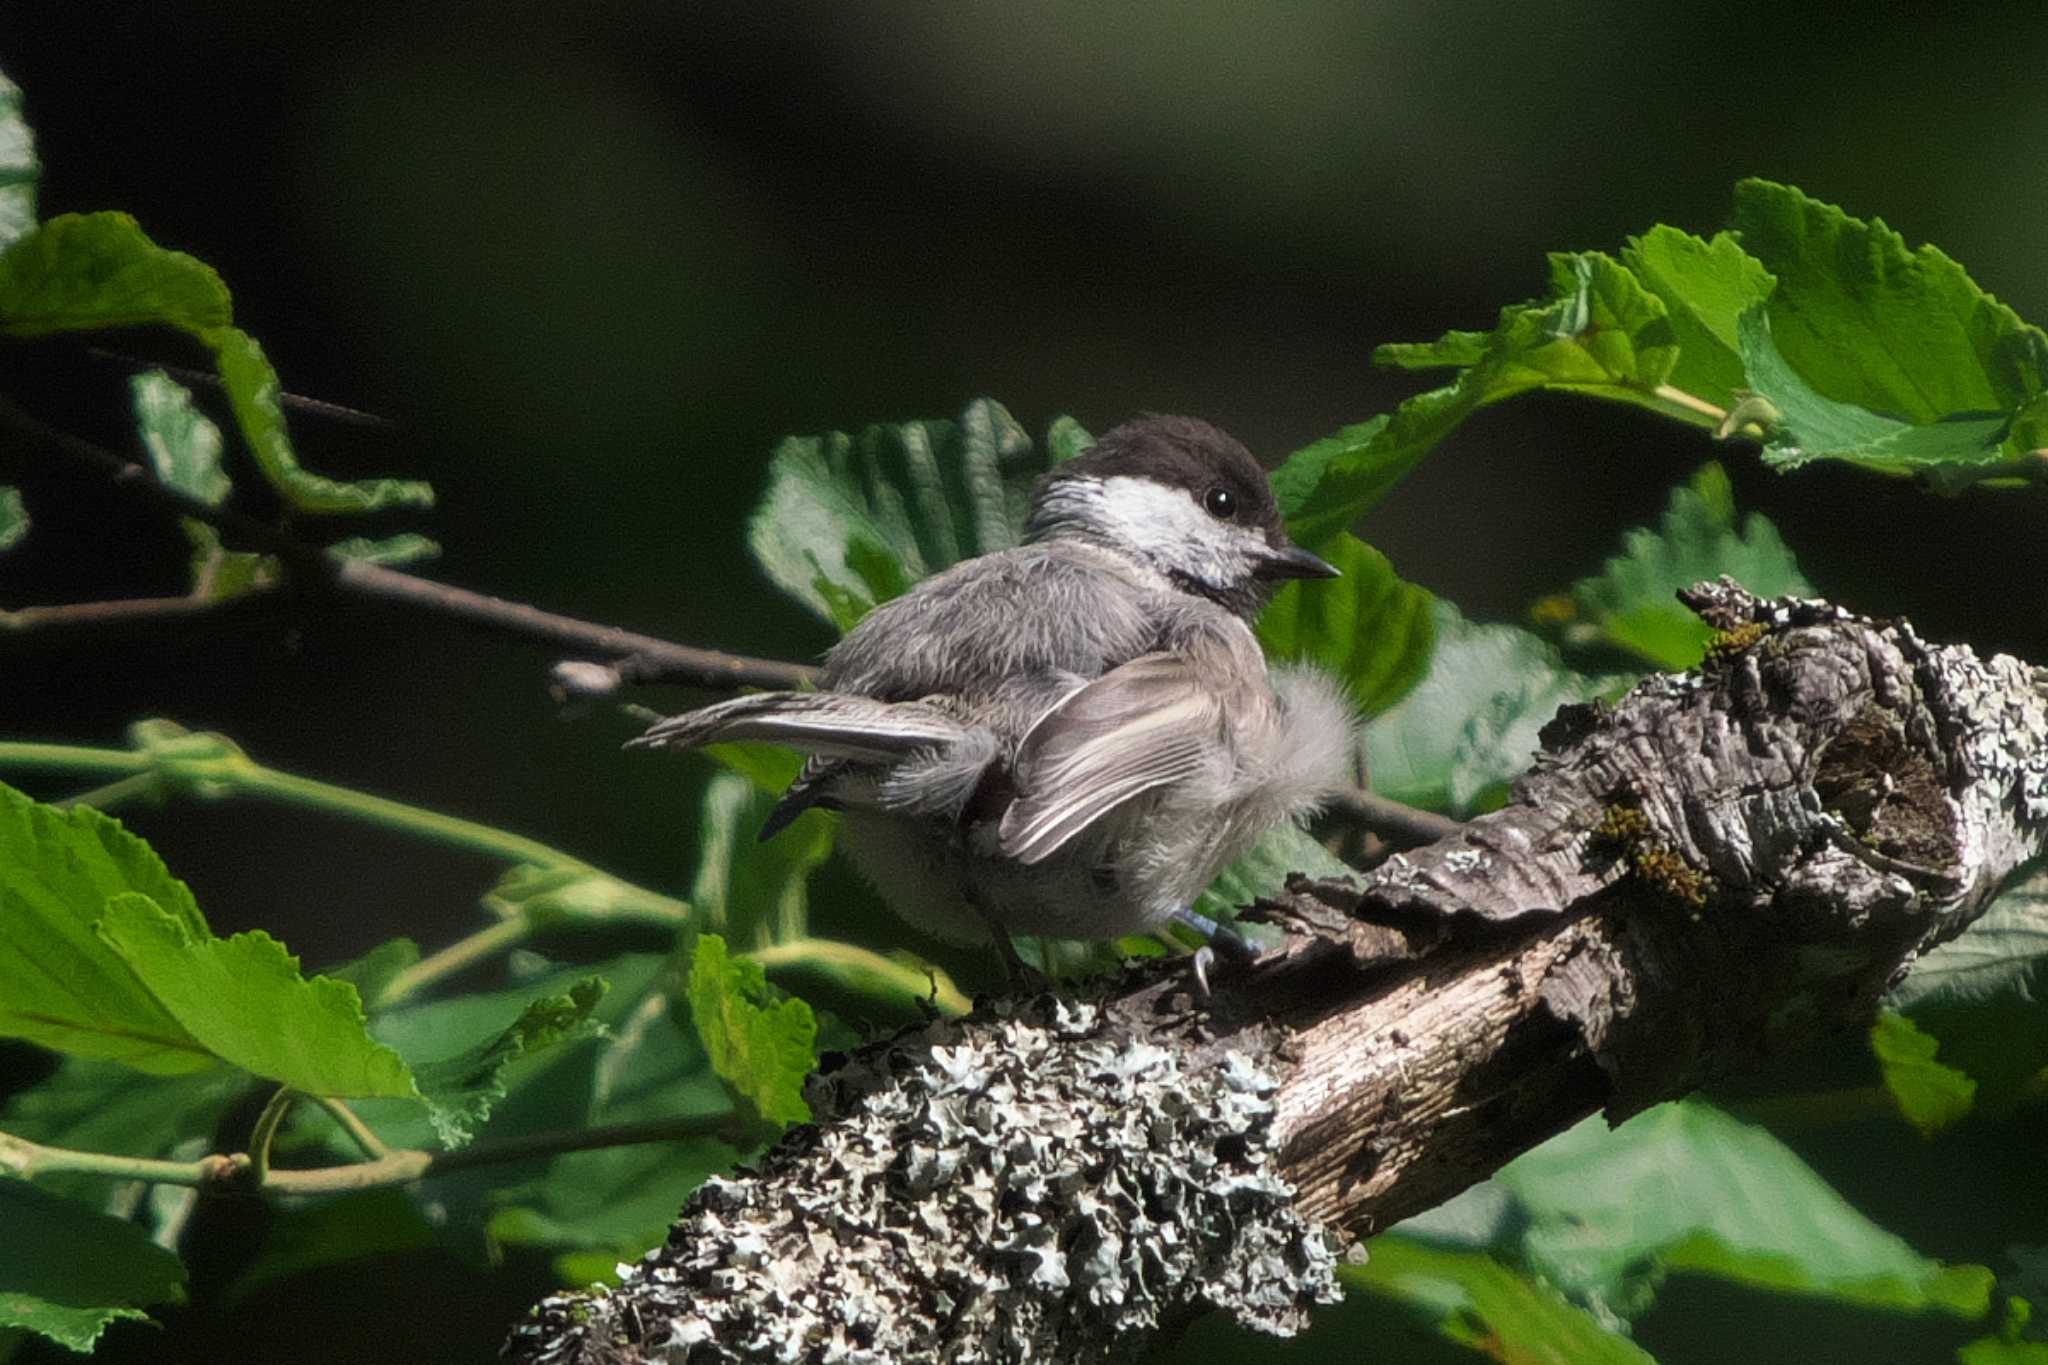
x: 1070, y: 737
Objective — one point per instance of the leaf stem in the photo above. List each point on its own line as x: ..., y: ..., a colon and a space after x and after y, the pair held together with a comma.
x: 464, y: 952
x: 112, y: 794
x: 1678, y: 397
x: 352, y: 1123
x: 216, y: 1172
x: 264, y: 1132
x: 915, y: 982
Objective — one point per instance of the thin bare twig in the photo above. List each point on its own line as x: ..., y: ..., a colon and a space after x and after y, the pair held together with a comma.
x: 653, y: 658
x: 1401, y: 825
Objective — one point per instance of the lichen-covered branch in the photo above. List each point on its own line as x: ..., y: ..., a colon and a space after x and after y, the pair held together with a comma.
x: 1723, y: 866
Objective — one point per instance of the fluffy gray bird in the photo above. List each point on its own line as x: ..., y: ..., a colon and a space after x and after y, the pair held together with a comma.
x: 1071, y: 737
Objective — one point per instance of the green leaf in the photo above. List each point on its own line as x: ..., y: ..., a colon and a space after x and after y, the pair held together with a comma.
x: 1471, y: 724
x: 1262, y: 873
x: 60, y: 985
x: 754, y: 890
x: 1368, y: 628
x: 1684, y: 1187
x: 13, y: 516
x: 460, y: 1089
x: 1065, y: 439
x: 1706, y: 286
x: 373, y: 972
x: 1980, y: 995
x: 1472, y: 1299
x: 1930, y: 1096
x: 19, y: 169
x: 1633, y: 602
x: 67, y: 1272
x: 770, y: 767
x: 253, y: 392
x: 407, y: 547
x: 81, y: 271
x: 184, y: 446
x: 526, y: 1089
x: 2000, y: 956
x: 243, y: 1000
x: 760, y: 1043
x: 849, y: 523
x: 621, y: 1200
x: 1598, y: 331
x: 1868, y: 323
x: 1810, y: 426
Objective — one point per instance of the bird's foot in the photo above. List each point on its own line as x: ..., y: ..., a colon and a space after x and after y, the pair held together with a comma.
x: 1223, y: 940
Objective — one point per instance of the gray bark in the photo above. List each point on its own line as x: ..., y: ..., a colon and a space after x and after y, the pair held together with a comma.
x: 1726, y: 865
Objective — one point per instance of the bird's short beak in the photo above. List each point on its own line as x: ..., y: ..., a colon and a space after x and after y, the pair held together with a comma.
x: 1291, y: 561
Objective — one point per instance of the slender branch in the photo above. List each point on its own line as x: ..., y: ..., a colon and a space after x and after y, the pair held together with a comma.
x: 1399, y: 824
x: 239, y: 1171
x: 116, y: 611
x: 318, y: 568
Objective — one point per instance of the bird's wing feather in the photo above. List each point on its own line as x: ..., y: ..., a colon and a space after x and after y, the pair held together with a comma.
x: 1139, y: 726
x: 833, y: 724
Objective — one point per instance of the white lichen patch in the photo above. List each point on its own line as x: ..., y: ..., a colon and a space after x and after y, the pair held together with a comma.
x: 1046, y: 1186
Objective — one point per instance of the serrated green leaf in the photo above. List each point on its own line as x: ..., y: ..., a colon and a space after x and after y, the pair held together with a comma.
x: 1633, y: 602
x: 1685, y: 1187
x: 19, y: 169
x: 536, y: 1091
x: 770, y: 767
x: 1930, y: 1096
x: 755, y: 891
x: 1706, y: 286
x: 1370, y: 629
x: 461, y: 1089
x: 60, y: 986
x: 13, y: 516
x: 1869, y: 323
x: 1598, y: 331
x: 621, y: 1200
x: 1474, y: 1300
x: 849, y: 522
x: 82, y: 271
x: 760, y: 1043
x: 407, y: 547
x: 244, y: 1001
x: 1452, y: 350
x: 253, y: 392
x: 373, y: 972
x: 69, y: 1273
x: 1471, y: 724
x: 1810, y: 426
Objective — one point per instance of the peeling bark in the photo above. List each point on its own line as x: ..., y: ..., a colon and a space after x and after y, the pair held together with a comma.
x: 1726, y: 865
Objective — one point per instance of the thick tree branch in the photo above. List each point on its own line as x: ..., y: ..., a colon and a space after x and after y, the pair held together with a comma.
x: 1726, y: 865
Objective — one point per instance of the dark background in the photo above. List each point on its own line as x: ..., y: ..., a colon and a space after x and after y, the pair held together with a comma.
x: 596, y: 258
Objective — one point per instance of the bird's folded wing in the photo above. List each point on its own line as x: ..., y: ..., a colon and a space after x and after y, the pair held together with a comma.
x: 834, y: 724
x: 1139, y: 726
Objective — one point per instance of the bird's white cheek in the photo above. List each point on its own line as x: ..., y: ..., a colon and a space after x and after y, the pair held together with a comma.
x: 1167, y: 527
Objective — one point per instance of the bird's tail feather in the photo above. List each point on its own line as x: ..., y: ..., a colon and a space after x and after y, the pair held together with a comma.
x: 833, y: 724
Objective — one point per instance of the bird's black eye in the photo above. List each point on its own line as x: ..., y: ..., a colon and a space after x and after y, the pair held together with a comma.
x: 1220, y: 503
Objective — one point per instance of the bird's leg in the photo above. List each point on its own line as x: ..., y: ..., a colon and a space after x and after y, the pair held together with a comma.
x: 1021, y: 977
x: 1221, y: 939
